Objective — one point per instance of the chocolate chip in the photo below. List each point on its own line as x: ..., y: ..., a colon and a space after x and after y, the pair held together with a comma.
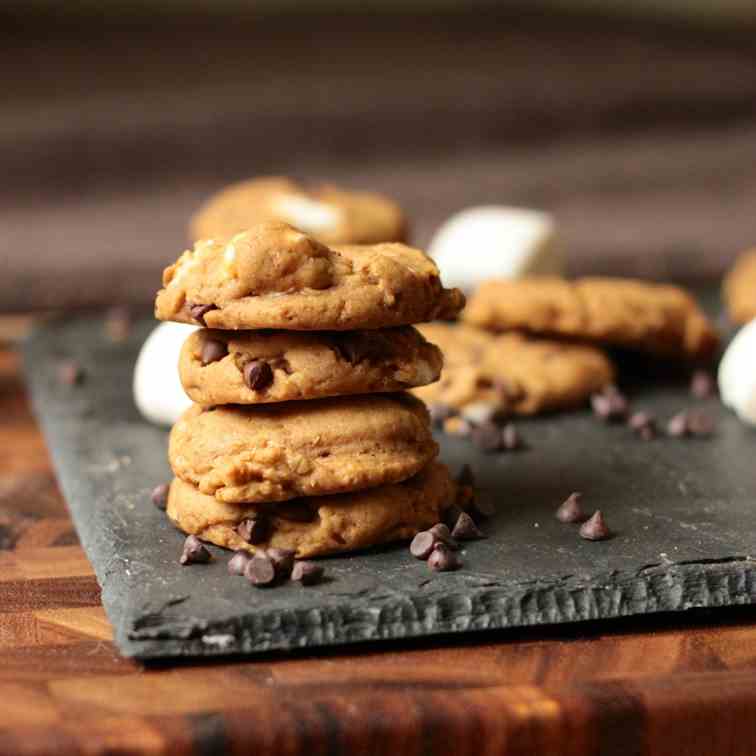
x: 212, y: 351
x: 440, y: 531
x: 198, y: 311
x: 595, y: 528
x: 283, y: 561
x: 571, y: 510
x: 465, y: 529
x: 610, y: 404
x: 194, y: 551
x: 238, y: 563
x: 703, y: 385
x: 644, y: 424
x: 260, y: 571
x: 118, y: 323
x: 253, y: 529
x: 422, y: 544
x: 487, y: 437
x: 440, y: 412
x: 294, y: 511
x: 159, y: 495
x: 510, y: 438
x: 677, y: 427
x: 258, y: 375
x: 70, y: 372
x: 443, y: 559
x: 307, y: 573
x: 483, y: 413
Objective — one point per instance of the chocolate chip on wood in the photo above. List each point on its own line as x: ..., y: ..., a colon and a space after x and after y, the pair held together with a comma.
x: 261, y: 571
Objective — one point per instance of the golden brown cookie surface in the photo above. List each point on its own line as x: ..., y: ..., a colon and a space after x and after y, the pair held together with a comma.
x: 257, y: 367
x: 513, y: 372
x: 275, y: 452
x: 740, y: 289
x: 323, y: 524
x: 330, y: 214
x: 273, y: 276
x: 650, y: 317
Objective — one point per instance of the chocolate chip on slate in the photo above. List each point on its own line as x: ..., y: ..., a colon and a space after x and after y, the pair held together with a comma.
x: 422, y: 544
x: 238, y: 563
x: 70, y: 372
x: 307, y: 573
x: 198, y: 311
x: 487, y: 437
x: 253, y: 529
x: 595, y: 528
x: 677, y: 427
x: 703, y: 385
x: 194, y: 551
x: 283, y: 561
x: 571, y: 510
x: 260, y: 571
x: 644, y: 424
x: 610, y: 405
x: 440, y: 531
x: 440, y: 412
x: 159, y: 495
x: 443, y: 559
x: 510, y: 438
x: 258, y: 375
x: 212, y: 351
x: 465, y: 529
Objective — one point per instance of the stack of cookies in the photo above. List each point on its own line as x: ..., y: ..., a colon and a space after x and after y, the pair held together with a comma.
x: 302, y: 436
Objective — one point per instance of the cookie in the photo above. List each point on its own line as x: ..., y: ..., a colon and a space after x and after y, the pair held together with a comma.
x: 319, y: 525
x: 275, y: 452
x: 257, y: 367
x: 657, y: 318
x: 273, y: 276
x: 740, y: 289
x: 513, y: 372
x: 330, y: 214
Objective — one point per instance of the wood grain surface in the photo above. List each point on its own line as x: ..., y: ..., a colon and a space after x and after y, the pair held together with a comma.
x: 659, y: 689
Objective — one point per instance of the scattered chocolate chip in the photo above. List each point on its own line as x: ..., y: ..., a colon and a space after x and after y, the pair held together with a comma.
x: 422, y: 544
x: 644, y: 424
x: 571, y: 510
x: 439, y: 413
x: 118, y: 323
x: 443, y: 559
x: 198, y: 312
x: 238, y: 563
x: 440, y: 531
x: 595, y: 528
x: 610, y: 404
x: 283, y: 561
x: 260, y: 571
x: 451, y: 515
x: 70, y: 372
x: 677, y: 427
x: 212, y: 351
x: 465, y: 529
x: 703, y: 385
x: 483, y: 413
x: 194, y: 551
x: 258, y: 375
x: 307, y: 573
x: 253, y: 529
x: 159, y: 495
x: 487, y: 437
x: 510, y: 438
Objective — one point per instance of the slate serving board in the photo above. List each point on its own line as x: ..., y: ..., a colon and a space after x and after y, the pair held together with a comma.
x: 684, y: 513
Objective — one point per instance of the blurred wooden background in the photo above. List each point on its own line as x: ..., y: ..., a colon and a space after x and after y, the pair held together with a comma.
x: 639, y: 135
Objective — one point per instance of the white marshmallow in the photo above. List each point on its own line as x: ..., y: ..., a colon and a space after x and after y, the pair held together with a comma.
x: 737, y: 374
x: 495, y: 242
x: 158, y: 393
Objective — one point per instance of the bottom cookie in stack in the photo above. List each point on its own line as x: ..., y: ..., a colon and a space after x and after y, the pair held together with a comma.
x: 317, y: 525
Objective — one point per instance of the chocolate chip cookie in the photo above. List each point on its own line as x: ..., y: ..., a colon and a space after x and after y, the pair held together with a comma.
x: 317, y: 525
x: 513, y: 372
x: 650, y: 317
x: 275, y: 452
x: 255, y: 367
x: 330, y: 214
x: 740, y: 289
x: 273, y: 276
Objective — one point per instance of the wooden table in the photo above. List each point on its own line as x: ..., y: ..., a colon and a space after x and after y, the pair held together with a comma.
x: 640, y: 688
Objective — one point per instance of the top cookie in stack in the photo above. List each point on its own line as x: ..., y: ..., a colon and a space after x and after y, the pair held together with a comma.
x: 305, y: 344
